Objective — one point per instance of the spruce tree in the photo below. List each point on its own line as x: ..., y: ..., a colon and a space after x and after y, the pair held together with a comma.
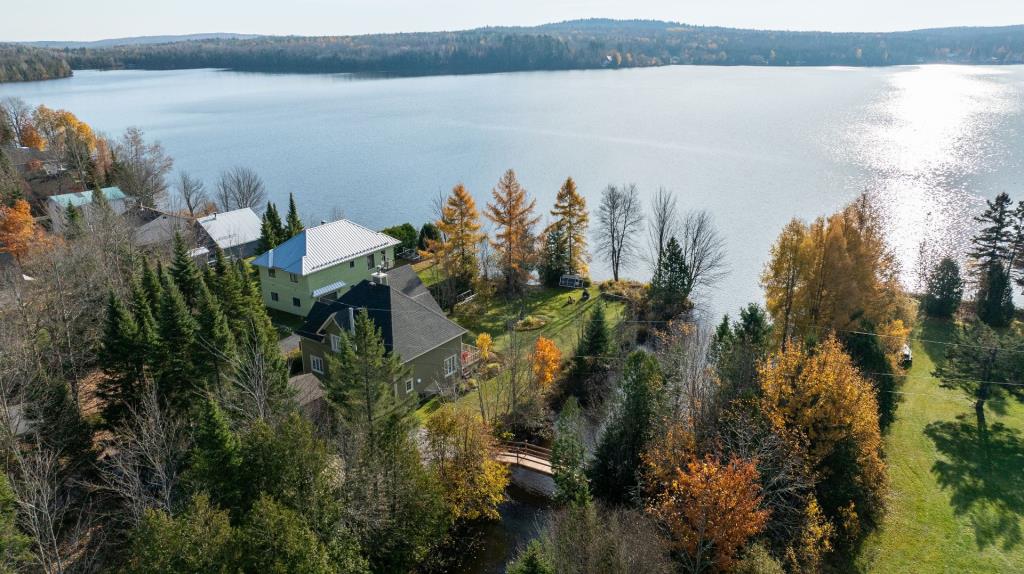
x: 567, y: 456
x: 186, y: 274
x: 148, y: 340
x: 945, y: 289
x: 267, y: 239
x: 294, y: 226
x: 591, y: 354
x: 121, y: 386
x: 555, y: 256
x: 73, y: 224
x: 992, y: 243
x: 994, y: 302
x: 216, y: 348
x: 671, y: 284
x: 153, y: 286
x: 179, y: 380
x: 216, y: 458
x: 613, y: 474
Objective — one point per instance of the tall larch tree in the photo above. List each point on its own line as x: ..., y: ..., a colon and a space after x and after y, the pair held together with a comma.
x: 460, y: 236
x: 513, y: 213
x: 572, y: 217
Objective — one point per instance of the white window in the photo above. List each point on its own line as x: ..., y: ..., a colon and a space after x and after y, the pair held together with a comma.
x: 450, y: 364
x: 336, y: 343
x: 317, y: 364
x: 409, y: 386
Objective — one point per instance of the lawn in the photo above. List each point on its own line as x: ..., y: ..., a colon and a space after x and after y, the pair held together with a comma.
x: 957, y: 497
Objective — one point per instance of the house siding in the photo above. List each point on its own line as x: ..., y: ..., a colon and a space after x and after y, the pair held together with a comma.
x: 306, y: 285
x: 427, y: 369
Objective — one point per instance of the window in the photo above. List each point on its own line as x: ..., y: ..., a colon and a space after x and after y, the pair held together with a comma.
x: 271, y: 272
x: 316, y: 364
x: 296, y: 302
x: 369, y: 261
x: 293, y: 278
x: 273, y: 296
x: 450, y: 364
x: 336, y: 343
x: 352, y: 264
x: 409, y: 386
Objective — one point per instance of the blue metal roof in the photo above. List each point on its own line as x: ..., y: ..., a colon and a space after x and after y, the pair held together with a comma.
x: 78, y: 199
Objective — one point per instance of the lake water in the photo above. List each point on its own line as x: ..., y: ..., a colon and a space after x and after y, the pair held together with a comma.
x: 754, y: 146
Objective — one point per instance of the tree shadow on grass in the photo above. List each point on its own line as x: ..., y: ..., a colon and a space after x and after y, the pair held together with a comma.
x: 984, y: 472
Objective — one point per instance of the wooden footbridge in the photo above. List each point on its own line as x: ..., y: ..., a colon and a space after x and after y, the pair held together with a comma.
x: 525, y: 455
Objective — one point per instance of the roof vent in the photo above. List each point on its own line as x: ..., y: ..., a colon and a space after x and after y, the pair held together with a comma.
x: 379, y: 278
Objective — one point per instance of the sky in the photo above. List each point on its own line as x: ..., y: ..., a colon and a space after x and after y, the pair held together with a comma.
x: 98, y: 19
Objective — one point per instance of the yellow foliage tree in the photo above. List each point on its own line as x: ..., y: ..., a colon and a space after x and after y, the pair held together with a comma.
x: 823, y: 397
x: 546, y: 362
x: 832, y: 274
x: 459, y: 447
x: 460, y: 235
x: 18, y: 231
x: 30, y: 138
x: 573, y: 219
x: 711, y: 510
x: 484, y: 342
x: 513, y: 214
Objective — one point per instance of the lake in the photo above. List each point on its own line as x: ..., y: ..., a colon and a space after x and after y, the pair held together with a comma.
x: 754, y: 146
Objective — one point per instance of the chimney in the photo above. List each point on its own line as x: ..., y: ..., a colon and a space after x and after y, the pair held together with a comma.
x: 351, y: 320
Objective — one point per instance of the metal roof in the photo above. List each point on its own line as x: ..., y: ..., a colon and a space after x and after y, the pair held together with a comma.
x: 80, y: 198
x: 328, y: 288
x: 232, y: 228
x: 324, y: 246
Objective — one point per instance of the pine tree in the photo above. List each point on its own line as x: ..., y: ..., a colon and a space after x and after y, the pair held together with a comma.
x: 216, y: 347
x: 567, y: 456
x: 267, y: 239
x: 153, y: 286
x: 994, y: 298
x: 294, y: 223
x: 179, y: 380
x: 227, y: 285
x: 513, y: 213
x: 613, y: 474
x: 979, y: 362
x: 185, y: 273
x: 554, y: 260
x: 945, y: 289
x: 272, y: 232
x: 428, y: 233
x: 215, y: 458
x: 591, y: 354
x: 991, y: 244
x: 531, y: 561
x: 73, y: 225
x: 121, y: 386
x: 671, y: 282
x: 147, y: 341
x: 360, y: 382
x: 573, y: 219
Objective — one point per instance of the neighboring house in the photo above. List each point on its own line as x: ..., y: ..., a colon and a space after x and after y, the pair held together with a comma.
x: 57, y: 205
x: 236, y: 232
x: 412, y: 325
x: 321, y: 262
x: 154, y: 228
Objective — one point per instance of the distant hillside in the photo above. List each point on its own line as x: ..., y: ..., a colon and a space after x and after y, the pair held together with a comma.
x: 580, y: 44
x: 138, y: 40
x: 24, y: 64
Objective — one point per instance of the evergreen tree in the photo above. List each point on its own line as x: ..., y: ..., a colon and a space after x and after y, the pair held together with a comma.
x: 991, y: 244
x: 980, y: 363
x: 186, y: 274
x: 15, y: 547
x: 276, y: 539
x: 197, y: 540
x: 216, y: 348
x: 567, y: 456
x: 613, y: 474
x: 227, y: 285
x: 179, y: 380
x: 555, y: 260
x: 994, y: 298
x: 153, y: 287
x: 945, y: 289
x: 531, y: 561
x: 360, y: 382
x: 272, y: 232
x: 216, y: 459
x: 73, y: 224
x: 294, y: 223
x: 428, y: 233
x: 592, y: 352
x: 123, y: 364
x: 671, y: 283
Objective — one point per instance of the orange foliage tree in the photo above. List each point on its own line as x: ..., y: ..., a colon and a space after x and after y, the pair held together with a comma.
x: 514, y: 216
x: 546, y: 362
x: 460, y: 235
x: 822, y: 396
x: 711, y: 510
x: 30, y: 138
x: 18, y: 231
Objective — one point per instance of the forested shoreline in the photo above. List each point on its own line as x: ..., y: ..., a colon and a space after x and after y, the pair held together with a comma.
x: 25, y: 64
x: 581, y: 44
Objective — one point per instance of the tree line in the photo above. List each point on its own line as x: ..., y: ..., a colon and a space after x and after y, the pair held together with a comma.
x: 580, y: 44
x: 27, y: 64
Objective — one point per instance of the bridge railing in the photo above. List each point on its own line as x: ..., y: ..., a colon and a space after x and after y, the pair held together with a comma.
x: 524, y: 450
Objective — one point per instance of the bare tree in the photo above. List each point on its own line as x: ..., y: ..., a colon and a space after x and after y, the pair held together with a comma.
x: 703, y: 251
x: 142, y: 167
x: 251, y: 391
x: 192, y: 192
x: 240, y: 187
x: 619, y: 217
x: 662, y: 226
x: 149, y: 452
x: 691, y: 387
x: 17, y: 114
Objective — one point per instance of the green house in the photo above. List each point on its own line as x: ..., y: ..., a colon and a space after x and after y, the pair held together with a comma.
x: 321, y: 262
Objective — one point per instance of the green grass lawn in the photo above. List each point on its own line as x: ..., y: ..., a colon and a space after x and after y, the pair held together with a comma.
x: 957, y: 497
